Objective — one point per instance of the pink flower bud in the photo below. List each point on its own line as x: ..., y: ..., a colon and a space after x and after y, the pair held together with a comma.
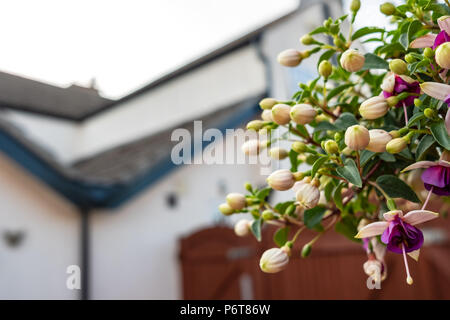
x: 281, y: 180
x: 303, y: 113
x: 357, y: 137
x: 236, y: 201
x: 274, y: 260
x: 374, y: 108
x: 443, y: 55
x: 289, y: 58
x: 378, y: 140
x: 352, y: 60
x: 280, y: 114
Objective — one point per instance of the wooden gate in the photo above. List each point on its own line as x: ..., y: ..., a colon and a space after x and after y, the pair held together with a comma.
x: 216, y: 264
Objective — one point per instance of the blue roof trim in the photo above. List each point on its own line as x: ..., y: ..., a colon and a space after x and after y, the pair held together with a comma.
x: 98, y: 196
x: 81, y: 194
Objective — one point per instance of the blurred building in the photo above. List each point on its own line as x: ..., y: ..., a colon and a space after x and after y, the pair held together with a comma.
x: 88, y: 181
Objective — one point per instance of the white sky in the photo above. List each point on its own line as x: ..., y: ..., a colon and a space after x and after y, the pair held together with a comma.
x: 123, y: 44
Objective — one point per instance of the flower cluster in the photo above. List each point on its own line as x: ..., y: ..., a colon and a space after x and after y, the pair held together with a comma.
x: 364, y: 126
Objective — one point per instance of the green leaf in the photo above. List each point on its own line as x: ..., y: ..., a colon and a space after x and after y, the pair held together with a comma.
x: 387, y: 157
x: 416, y: 117
x: 440, y: 134
x: 256, y: 228
x: 317, y: 164
x: 318, y: 30
x: 326, y: 56
x: 396, y: 188
x: 366, y: 155
x: 345, y: 120
x: 282, y: 206
x: 403, y: 40
x: 281, y: 236
x: 263, y: 193
x: 350, y: 172
x: 365, y: 31
x: 313, y: 217
x: 337, y: 197
x: 414, y: 26
x: 347, y: 226
x: 324, y: 125
x: 302, y: 129
x: 425, y: 143
x: 374, y: 62
x: 338, y: 90
x: 293, y: 158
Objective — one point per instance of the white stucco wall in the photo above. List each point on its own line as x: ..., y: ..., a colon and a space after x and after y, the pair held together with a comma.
x: 36, y: 268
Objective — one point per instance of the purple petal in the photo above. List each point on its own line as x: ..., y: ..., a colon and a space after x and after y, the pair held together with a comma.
x: 441, y: 38
x: 447, y: 99
x: 404, y: 86
x: 401, y: 234
x: 436, y: 176
x: 438, y: 191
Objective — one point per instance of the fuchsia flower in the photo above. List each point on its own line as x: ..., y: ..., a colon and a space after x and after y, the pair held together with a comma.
x: 436, y: 176
x: 434, y: 40
x: 441, y: 92
x: 399, y: 233
x: 394, y: 84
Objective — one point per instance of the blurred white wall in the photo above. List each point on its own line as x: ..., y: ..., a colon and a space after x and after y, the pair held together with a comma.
x: 36, y: 267
x: 134, y: 249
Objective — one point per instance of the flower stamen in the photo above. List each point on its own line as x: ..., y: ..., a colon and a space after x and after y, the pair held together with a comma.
x: 409, y: 279
x: 405, y: 111
x: 428, y: 198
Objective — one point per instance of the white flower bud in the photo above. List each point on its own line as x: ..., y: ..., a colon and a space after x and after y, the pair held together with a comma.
x: 374, y: 108
x: 274, y: 260
x: 280, y: 114
x: 378, y: 140
x: 236, y: 201
x: 242, y: 227
x: 289, y: 58
x: 388, y: 83
x: 308, y: 195
x: 357, y: 137
x: 251, y: 147
x: 266, y: 115
x: 443, y: 55
x: 352, y: 60
x: 373, y: 269
x: 278, y: 153
x: 303, y: 113
x: 281, y: 180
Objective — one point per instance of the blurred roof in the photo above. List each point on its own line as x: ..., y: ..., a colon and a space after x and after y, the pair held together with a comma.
x: 71, y: 103
x: 127, y: 162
